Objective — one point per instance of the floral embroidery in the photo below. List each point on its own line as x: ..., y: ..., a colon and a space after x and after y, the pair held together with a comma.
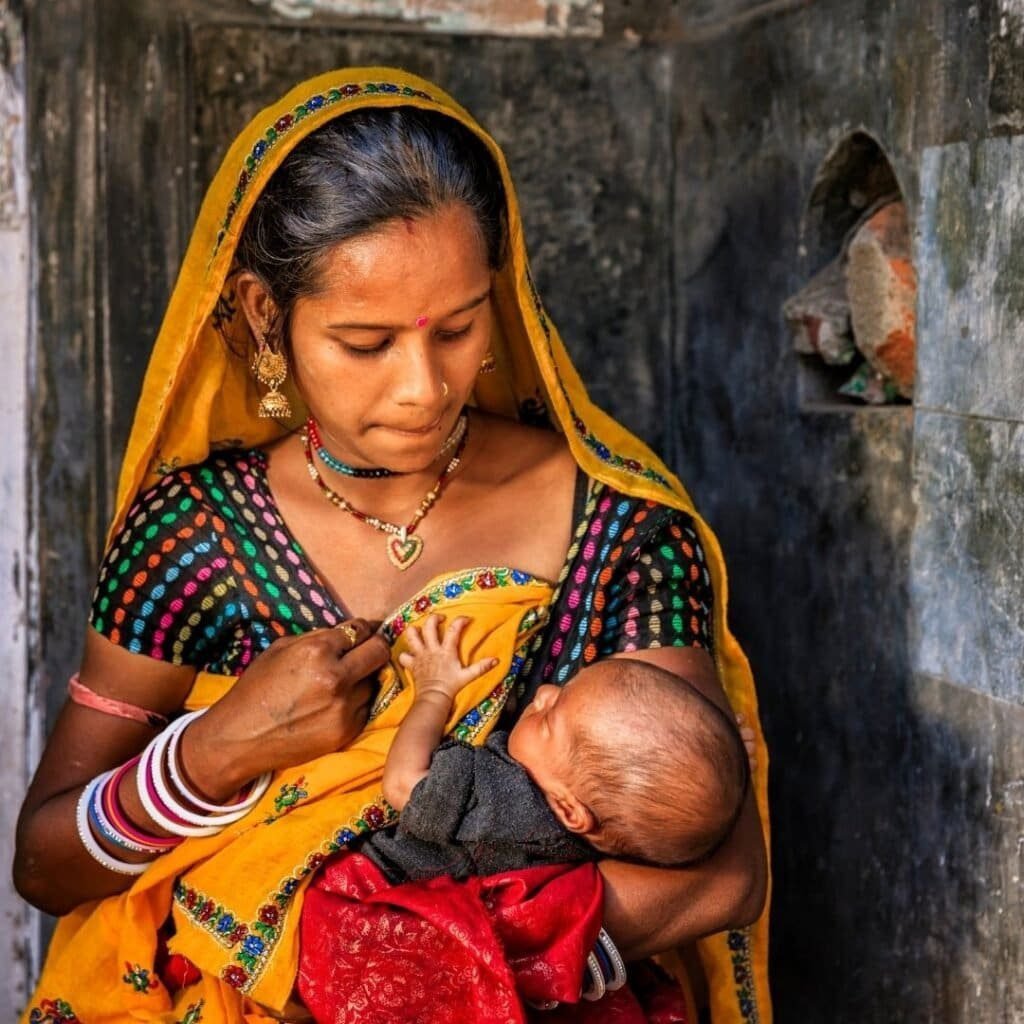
x: 194, y: 1013
x: 476, y: 718
x: 451, y: 587
x: 743, y: 975
x: 255, y: 942
x: 261, y: 937
x: 139, y: 978
x: 286, y: 122
x: 290, y: 794
x: 53, y: 1011
x: 212, y: 917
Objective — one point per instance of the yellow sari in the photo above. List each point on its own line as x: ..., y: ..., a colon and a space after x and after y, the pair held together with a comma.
x: 198, y: 395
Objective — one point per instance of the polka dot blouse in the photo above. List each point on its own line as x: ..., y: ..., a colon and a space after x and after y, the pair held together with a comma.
x: 205, y: 572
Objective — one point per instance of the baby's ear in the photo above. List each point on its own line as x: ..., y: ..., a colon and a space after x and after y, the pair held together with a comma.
x: 572, y: 812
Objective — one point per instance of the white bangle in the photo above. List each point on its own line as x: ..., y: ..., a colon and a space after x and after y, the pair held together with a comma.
x: 597, y: 977
x: 618, y: 964
x: 93, y: 848
x: 146, y: 776
x: 186, y: 822
x: 225, y: 813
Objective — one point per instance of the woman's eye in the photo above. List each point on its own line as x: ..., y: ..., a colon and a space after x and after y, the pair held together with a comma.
x: 458, y: 332
x: 372, y: 350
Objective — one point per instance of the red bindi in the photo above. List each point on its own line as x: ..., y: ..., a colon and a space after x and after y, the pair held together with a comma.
x: 422, y: 321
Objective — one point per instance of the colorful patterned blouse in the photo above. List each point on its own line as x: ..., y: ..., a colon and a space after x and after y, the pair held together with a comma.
x: 205, y: 572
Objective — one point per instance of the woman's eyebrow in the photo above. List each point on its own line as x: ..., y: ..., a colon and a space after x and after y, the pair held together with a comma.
x: 472, y: 304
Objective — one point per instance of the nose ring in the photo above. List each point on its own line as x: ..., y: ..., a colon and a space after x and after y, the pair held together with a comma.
x: 444, y: 389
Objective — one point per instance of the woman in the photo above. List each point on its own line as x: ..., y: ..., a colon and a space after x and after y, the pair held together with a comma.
x: 376, y: 284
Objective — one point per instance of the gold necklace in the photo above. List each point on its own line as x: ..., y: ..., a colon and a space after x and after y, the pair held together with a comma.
x: 403, y: 545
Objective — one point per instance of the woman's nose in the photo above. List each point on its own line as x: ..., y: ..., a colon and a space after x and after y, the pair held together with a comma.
x: 419, y: 378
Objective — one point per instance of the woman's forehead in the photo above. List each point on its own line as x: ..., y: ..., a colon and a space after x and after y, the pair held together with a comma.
x: 421, y: 263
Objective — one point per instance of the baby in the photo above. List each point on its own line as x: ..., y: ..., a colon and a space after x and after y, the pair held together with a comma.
x: 625, y: 760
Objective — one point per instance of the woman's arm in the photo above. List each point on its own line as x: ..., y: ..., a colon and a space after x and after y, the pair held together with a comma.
x: 651, y: 909
x: 303, y: 697
x: 52, y: 869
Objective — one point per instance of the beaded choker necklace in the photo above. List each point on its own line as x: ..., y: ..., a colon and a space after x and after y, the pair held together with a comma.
x: 403, y: 546
x: 333, y: 462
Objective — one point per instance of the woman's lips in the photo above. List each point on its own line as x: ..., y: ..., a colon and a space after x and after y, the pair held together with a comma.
x: 430, y: 428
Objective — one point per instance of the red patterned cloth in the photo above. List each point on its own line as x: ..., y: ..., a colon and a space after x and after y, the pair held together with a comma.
x: 477, y: 951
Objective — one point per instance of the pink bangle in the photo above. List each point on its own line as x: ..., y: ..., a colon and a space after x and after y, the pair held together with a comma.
x: 81, y: 694
x: 151, y: 761
x: 118, y: 819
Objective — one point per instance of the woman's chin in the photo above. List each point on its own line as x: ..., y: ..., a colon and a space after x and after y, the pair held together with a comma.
x: 410, y: 459
x: 403, y: 451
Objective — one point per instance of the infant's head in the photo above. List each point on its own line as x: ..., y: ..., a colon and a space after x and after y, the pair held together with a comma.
x: 636, y: 760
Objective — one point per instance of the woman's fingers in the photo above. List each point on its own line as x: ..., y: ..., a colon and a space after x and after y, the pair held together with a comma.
x: 351, y: 633
x: 359, y: 662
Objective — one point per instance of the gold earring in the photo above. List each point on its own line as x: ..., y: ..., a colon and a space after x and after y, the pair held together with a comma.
x: 488, y: 364
x: 271, y: 368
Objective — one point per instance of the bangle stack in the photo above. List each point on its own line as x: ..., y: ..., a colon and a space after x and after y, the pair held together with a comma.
x: 167, y: 798
x: 183, y: 813
x: 606, y: 970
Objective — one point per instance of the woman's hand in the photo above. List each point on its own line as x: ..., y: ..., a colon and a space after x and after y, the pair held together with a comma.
x: 305, y: 696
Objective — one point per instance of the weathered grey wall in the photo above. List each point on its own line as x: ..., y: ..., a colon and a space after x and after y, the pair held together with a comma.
x: 16, y: 554
x: 875, y: 553
x: 665, y: 152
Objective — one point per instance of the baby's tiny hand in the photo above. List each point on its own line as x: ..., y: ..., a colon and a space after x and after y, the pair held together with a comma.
x: 434, y: 662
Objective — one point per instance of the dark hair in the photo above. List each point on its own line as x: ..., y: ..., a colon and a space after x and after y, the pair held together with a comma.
x: 666, y: 777
x: 356, y: 173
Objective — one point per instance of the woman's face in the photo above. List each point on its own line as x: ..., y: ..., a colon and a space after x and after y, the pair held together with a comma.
x: 387, y: 352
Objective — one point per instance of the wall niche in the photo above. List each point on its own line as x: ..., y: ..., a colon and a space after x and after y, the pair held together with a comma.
x: 853, y: 321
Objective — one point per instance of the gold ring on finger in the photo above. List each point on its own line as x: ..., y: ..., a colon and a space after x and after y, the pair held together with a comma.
x: 348, y: 631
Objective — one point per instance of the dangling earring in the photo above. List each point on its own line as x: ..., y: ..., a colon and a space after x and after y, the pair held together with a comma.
x: 488, y: 364
x: 271, y: 369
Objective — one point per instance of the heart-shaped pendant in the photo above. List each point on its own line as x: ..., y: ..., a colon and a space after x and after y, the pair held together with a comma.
x: 403, y: 551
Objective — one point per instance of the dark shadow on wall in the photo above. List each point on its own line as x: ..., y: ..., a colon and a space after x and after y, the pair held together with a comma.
x: 878, y: 810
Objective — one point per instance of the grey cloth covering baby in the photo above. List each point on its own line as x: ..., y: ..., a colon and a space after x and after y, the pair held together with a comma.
x: 475, y: 813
